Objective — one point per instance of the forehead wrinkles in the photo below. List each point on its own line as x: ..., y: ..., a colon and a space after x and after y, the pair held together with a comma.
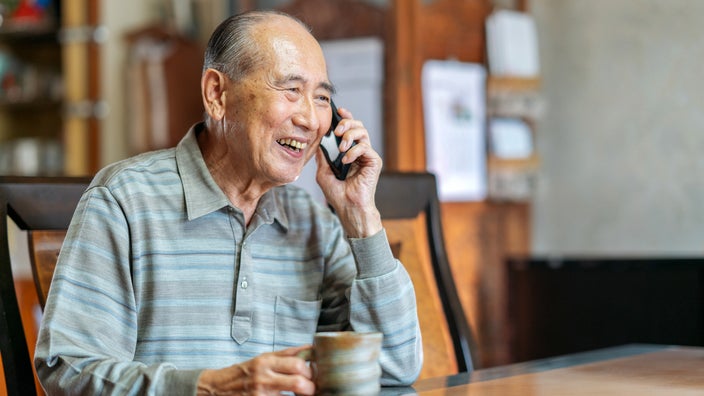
x: 277, y: 38
x: 291, y: 53
x: 284, y: 47
x: 291, y: 64
x: 276, y: 51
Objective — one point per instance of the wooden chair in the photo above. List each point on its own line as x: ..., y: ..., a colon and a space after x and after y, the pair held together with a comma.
x: 42, y: 207
x: 410, y: 211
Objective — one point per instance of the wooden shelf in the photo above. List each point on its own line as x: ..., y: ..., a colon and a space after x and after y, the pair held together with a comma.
x: 64, y: 72
x: 518, y: 164
x: 22, y: 105
x: 515, y: 97
x: 478, y: 235
x: 38, y: 35
x: 496, y: 84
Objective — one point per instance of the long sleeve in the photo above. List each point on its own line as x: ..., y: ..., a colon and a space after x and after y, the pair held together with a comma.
x: 89, y: 331
x: 382, y: 299
x: 379, y: 297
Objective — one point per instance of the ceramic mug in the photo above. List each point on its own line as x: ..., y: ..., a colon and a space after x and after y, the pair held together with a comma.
x: 345, y: 363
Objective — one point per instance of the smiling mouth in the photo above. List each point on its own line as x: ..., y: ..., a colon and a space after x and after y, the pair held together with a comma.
x: 292, y: 144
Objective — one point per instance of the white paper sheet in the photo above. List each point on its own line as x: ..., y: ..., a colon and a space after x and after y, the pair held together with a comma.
x: 454, y: 108
x: 510, y: 138
x: 512, y: 44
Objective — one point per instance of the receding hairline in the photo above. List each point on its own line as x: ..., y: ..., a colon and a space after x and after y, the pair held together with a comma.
x: 278, y: 23
x: 247, y: 24
x: 262, y: 16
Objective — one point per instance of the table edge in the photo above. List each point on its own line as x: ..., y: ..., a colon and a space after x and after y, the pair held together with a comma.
x: 539, y: 365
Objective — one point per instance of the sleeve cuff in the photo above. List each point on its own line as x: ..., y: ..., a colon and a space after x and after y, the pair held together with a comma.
x: 372, y: 255
x: 182, y: 382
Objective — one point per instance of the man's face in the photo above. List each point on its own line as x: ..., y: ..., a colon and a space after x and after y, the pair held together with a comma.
x: 276, y: 116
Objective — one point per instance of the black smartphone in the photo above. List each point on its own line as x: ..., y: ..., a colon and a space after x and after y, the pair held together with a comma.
x: 331, y: 147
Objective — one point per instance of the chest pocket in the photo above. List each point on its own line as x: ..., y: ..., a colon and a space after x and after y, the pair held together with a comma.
x: 295, y: 321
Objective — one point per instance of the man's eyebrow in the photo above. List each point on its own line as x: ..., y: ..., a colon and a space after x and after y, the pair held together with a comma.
x: 328, y: 86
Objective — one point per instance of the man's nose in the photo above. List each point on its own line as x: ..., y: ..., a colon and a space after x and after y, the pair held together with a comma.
x: 307, y: 116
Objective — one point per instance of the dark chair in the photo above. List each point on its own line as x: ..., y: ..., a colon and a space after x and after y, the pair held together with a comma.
x: 410, y: 211
x: 42, y: 207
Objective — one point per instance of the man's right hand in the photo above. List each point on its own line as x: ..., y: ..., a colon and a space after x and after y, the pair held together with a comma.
x: 267, y: 374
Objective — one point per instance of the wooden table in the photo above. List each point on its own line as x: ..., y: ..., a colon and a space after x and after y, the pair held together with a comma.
x: 626, y: 370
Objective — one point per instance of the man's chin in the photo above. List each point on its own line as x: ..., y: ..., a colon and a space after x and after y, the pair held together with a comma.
x: 290, y: 178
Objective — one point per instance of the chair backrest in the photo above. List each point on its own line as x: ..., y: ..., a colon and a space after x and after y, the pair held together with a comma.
x: 410, y: 211
x: 44, y: 248
x: 43, y: 207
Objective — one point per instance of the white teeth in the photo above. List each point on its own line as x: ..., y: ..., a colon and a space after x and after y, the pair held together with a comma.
x: 293, y: 144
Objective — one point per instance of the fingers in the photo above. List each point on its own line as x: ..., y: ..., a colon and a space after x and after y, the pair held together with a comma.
x: 293, y: 351
x: 283, y: 370
x: 267, y: 374
x: 350, y: 130
x: 293, y: 360
x: 363, y: 154
x: 270, y: 374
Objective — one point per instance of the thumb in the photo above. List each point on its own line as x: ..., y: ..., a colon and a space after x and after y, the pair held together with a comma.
x: 295, y: 351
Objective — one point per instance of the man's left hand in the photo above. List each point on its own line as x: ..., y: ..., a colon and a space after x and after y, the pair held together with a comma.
x: 353, y: 198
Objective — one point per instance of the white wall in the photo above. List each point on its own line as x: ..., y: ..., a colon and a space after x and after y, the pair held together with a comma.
x: 622, y: 142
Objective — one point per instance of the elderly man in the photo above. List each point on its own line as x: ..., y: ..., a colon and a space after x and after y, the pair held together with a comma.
x: 198, y: 270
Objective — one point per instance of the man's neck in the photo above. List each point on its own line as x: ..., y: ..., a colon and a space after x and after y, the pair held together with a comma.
x: 242, y: 190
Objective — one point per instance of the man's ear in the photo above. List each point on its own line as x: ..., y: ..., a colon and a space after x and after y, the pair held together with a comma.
x: 212, y: 85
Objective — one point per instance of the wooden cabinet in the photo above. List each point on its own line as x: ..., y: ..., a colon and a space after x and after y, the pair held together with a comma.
x: 515, y: 100
x: 49, y: 97
x: 81, y: 37
x: 479, y: 235
x: 30, y: 90
x: 422, y: 30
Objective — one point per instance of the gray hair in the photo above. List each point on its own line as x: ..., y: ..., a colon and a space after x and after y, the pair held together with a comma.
x: 231, y: 49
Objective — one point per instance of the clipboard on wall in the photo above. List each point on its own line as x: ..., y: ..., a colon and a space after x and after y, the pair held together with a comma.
x: 454, y: 109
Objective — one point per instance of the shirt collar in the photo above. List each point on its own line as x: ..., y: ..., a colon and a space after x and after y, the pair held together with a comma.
x: 271, y: 208
x: 204, y: 196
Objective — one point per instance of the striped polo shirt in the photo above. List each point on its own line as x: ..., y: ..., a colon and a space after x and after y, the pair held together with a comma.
x: 160, y: 278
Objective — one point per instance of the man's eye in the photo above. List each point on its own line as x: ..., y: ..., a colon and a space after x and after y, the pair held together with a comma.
x: 324, y: 98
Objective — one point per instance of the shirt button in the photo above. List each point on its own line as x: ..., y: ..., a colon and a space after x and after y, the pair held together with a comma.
x: 244, y: 283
